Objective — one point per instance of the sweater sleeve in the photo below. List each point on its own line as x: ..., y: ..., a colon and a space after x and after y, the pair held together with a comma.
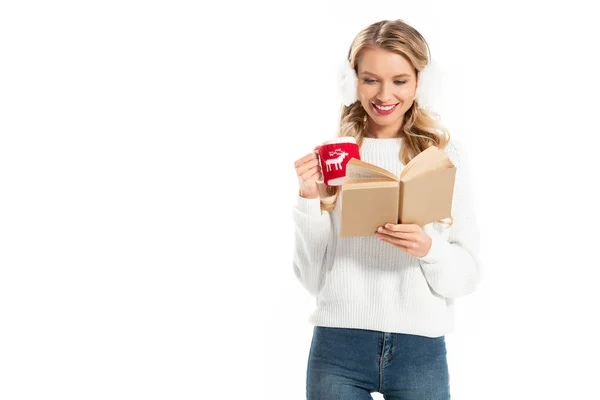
x: 452, y: 267
x: 312, y: 231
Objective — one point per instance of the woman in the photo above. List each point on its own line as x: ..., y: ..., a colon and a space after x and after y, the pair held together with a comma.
x: 384, y: 302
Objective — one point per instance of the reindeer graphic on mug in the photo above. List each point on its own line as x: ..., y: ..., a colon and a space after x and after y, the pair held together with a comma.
x: 336, y: 161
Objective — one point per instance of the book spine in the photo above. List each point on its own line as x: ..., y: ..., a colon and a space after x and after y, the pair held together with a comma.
x: 400, y: 201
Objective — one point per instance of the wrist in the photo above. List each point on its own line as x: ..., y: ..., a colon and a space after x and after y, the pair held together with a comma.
x: 437, y: 247
x: 308, y: 194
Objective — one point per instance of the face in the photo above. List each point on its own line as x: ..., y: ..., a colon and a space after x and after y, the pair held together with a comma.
x: 387, y: 80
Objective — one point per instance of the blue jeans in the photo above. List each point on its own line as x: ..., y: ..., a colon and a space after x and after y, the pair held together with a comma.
x: 349, y: 364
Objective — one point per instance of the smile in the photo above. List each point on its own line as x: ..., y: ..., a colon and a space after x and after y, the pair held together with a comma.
x: 384, y: 110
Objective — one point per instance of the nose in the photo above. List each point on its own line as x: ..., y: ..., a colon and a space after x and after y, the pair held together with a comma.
x: 385, y: 93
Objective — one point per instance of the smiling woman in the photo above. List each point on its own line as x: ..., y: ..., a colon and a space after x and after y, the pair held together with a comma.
x: 385, y: 301
x: 392, y: 72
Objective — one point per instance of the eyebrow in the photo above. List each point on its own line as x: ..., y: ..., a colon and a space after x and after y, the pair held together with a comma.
x: 370, y: 73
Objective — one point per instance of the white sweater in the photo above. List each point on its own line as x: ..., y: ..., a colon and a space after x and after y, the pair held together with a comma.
x: 365, y: 283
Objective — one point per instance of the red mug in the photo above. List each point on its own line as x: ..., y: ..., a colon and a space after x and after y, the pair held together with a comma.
x: 333, y: 156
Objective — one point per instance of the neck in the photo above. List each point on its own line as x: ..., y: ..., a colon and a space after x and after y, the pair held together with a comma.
x: 385, y: 131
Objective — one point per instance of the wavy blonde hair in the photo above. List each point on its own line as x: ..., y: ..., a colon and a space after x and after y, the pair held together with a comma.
x: 421, y: 128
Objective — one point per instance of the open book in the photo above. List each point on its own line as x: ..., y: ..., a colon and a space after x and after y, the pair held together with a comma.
x: 373, y: 196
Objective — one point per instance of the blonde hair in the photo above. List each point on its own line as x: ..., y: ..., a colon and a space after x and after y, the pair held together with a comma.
x: 421, y: 128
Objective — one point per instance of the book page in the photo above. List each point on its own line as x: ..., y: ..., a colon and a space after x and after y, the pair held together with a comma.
x: 356, y: 169
x: 428, y: 160
x: 367, y: 183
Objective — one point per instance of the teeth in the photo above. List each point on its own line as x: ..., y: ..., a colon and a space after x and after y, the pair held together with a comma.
x: 388, y: 108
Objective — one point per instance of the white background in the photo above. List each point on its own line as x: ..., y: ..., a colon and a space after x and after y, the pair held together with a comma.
x: 147, y: 181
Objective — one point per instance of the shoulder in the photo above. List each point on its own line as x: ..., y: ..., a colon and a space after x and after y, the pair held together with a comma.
x: 456, y: 152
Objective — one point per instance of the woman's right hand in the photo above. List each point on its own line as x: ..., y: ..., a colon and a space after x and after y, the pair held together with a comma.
x: 308, y: 171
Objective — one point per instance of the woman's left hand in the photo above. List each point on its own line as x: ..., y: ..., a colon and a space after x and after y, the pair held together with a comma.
x: 409, y: 237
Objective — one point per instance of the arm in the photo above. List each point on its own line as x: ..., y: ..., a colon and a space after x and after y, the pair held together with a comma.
x: 452, y: 267
x: 312, y: 231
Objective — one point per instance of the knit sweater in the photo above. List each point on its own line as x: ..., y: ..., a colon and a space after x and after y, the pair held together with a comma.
x: 365, y: 283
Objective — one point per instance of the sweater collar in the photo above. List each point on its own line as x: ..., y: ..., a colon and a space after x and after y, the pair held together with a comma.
x: 392, y: 145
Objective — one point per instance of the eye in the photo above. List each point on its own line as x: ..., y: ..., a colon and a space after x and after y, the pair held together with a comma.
x: 369, y: 81
x: 399, y: 82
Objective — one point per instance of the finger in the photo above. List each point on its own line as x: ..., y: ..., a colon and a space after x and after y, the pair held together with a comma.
x: 307, y: 166
x: 314, y: 177
x: 407, y: 228
x: 308, y: 175
x: 393, y: 240
x: 405, y: 244
x: 310, y: 156
x: 398, y: 234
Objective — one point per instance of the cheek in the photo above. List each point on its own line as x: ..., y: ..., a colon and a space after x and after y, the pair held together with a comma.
x: 366, y: 92
x: 406, y: 92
